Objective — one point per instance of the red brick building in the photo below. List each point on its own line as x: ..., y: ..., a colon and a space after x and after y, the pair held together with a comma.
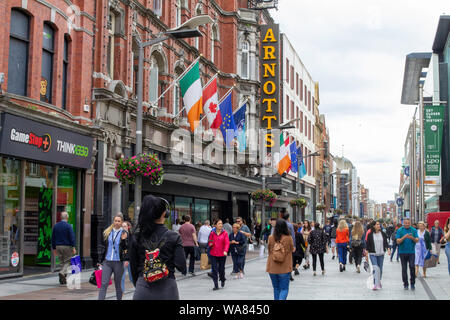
x: 47, y: 144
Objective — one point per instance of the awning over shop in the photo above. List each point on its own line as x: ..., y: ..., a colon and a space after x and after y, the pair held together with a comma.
x: 209, y: 178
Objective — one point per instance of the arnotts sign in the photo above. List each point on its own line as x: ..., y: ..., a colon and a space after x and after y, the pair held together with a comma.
x: 28, y: 139
x: 270, y: 52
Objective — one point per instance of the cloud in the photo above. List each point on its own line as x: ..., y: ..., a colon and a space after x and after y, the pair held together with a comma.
x: 356, y: 50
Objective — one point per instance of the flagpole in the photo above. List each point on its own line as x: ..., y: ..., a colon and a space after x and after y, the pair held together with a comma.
x: 243, y: 104
x: 226, y: 94
x: 175, y: 81
x: 210, y: 80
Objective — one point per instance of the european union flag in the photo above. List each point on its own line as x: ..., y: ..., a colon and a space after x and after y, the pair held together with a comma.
x: 294, y: 160
x: 301, y: 164
x: 239, y: 121
x: 228, y: 126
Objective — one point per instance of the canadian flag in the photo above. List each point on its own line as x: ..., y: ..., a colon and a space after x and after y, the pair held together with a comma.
x: 211, y: 104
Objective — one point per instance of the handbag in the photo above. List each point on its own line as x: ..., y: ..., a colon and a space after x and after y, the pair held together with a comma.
x: 98, y: 277
x: 92, y: 279
x: 431, y: 262
x: 75, y: 262
x: 251, y: 247
x: 366, y: 266
x: 261, y: 251
x: 197, y: 253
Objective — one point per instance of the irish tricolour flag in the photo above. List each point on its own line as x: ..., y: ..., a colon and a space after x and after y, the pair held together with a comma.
x: 191, y: 90
x: 285, y: 159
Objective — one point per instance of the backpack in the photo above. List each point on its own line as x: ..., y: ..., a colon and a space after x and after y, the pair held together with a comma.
x: 355, y: 243
x: 279, y: 252
x: 154, y: 268
x: 333, y: 232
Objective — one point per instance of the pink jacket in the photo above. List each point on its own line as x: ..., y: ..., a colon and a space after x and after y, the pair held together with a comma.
x: 219, y: 243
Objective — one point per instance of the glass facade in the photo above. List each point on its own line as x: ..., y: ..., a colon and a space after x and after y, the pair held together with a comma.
x: 201, y: 210
x: 9, y: 215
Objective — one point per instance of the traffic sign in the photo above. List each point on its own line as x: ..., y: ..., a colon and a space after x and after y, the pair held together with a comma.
x: 400, y: 202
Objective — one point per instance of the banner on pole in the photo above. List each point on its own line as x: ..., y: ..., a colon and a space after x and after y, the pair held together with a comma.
x: 433, y: 134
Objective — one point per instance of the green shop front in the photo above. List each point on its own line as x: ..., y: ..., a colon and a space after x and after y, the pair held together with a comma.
x: 41, y: 174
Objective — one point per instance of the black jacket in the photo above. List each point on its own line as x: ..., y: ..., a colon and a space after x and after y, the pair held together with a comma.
x: 171, y: 251
x: 300, y: 245
x: 317, y: 239
x: 123, y: 249
x: 370, y: 245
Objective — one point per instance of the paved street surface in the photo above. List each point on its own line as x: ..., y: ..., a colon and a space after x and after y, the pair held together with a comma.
x: 256, y: 285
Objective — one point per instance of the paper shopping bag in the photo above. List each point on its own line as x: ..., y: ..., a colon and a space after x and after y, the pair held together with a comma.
x: 204, y: 262
x: 98, y: 278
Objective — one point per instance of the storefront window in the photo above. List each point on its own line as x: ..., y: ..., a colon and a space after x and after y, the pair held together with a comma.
x: 183, y: 206
x: 215, y: 210
x: 9, y: 215
x: 67, y: 195
x: 201, y: 212
x: 38, y: 214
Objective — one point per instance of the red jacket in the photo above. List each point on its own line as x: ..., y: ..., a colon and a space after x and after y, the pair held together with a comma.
x: 218, y: 243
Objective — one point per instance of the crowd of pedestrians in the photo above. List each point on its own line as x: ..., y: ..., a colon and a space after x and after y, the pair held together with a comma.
x: 151, y: 253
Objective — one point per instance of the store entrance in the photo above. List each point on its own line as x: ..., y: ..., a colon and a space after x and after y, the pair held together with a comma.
x: 38, y: 218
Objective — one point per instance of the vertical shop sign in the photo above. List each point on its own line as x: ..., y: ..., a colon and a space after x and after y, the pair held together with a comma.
x: 270, y: 55
x: 433, y: 134
x: 44, y: 226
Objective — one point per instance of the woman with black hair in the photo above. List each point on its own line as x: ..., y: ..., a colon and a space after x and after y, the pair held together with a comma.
x: 151, y: 234
x: 377, y: 245
x: 299, y: 253
x: 279, y: 262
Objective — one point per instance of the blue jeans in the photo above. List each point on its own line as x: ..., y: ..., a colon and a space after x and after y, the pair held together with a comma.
x: 238, y: 262
x: 377, y: 263
x: 342, y: 252
x: 280, y: 284
x: 129, y: 276
x: 394, y: 248
x: 447, y: 253
x: 218, y: 269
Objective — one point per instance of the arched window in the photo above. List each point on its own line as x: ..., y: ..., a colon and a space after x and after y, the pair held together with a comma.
x: 213, y: 42
x: 245, y: 60
x: 178, y: 13
x: 18, y: 53
x: 47, y: 63
x: 198, y: 12
x: 154, y: 81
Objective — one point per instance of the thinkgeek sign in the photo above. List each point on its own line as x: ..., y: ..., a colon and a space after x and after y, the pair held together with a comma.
x: 33, y: 140
x: 270, y: 53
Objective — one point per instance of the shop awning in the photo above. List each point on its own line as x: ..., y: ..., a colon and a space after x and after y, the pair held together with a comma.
x: 209, y: 178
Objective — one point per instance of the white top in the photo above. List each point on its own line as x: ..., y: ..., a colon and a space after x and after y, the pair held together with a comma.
x: 378, y: 241
x: 176, y: 227
x: 203, y: 234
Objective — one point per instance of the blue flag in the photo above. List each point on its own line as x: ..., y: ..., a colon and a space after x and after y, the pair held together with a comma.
x: 294, y: 160
x: 301, y: 164
x: 226, y: 111
x: 239, y: 121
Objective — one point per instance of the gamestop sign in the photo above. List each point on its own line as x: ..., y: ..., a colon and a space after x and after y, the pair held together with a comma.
x: 29, y: 139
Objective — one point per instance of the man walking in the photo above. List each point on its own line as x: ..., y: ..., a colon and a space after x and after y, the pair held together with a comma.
x: 227, y: 226
x: 189, y: 238
x: 63, y: 244
x: 406, y: 239
x: 203, y: 236
x: 246, y: 231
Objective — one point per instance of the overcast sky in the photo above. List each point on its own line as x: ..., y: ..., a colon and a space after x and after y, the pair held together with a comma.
x: 356, y: 51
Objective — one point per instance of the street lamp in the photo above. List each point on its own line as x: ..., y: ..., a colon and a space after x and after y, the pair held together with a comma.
x: 189, y: 29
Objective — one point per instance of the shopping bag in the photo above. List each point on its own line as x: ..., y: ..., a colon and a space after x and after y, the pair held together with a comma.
x: 261, y: 251
x: 92, y: 279
x: 204, y: 262
x: 197, y: 253
x: 251, y: 247
x: 75, y: 262
x: 98, y: 278
x: 428, y: 256
x: 431, y: 262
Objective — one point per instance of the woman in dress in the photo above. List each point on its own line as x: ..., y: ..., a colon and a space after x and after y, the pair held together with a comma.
x: 306, y: 230
x: 422, y: 248
x: 150, y: 234
x: 319, y: 245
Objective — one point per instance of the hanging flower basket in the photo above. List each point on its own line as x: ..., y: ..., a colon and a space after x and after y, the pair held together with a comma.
x: 320, y: 207
x: 300, y: 202
x: 264, y: 195
x: 144, y: 165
